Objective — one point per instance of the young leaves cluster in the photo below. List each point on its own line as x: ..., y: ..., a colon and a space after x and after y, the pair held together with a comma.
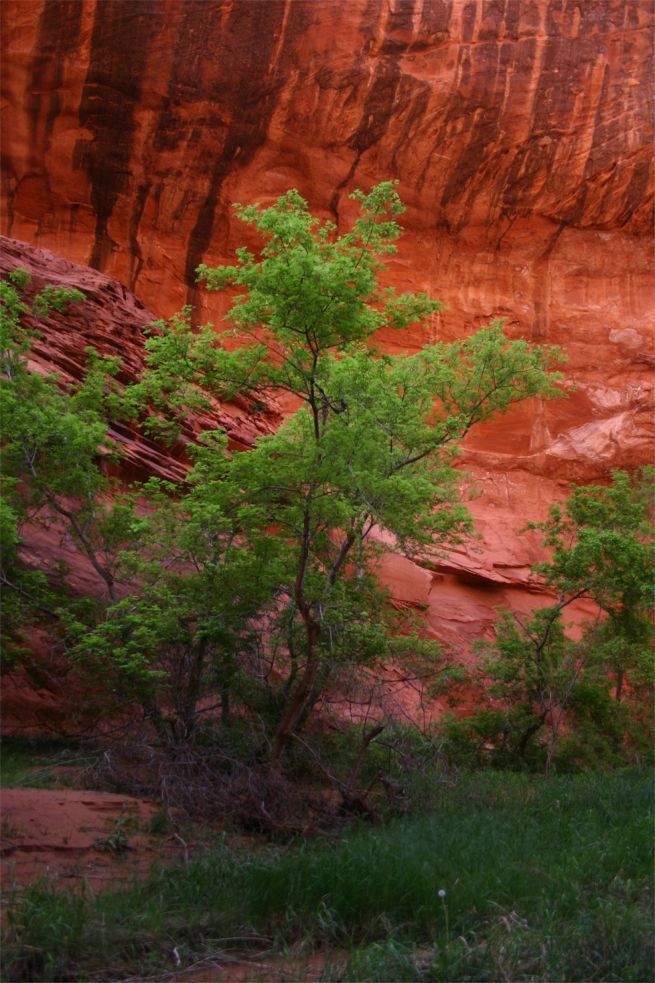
x: 262, y: 566
x: 603, y: 547
x: 557, y: 697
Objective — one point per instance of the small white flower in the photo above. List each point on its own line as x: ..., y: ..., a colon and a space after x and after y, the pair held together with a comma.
x: 441, y: 893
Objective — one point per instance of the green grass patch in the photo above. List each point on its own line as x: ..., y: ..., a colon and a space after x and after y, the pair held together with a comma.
x: 31, y: 762
x: 543, y: 880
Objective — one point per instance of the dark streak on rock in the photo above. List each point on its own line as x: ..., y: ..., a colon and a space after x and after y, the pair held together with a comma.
x: 57, y: 36
x: 468, y: 21
x: 378, y: 104
x: 436, y: 17
x: 415, y: 95
x: 136, y: 256
x: 541, y: 281
x: 377, y: 109
x: 636, y: 192
x: 123, y: 31
x: 247, y: 40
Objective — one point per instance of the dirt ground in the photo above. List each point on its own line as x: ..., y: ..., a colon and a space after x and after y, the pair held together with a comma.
x: 77, y: 838
x: 90, y: 840
x: 273, y: 970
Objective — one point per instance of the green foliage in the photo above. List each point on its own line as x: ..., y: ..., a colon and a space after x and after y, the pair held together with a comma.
x: 255, y: 580
x: 55, y: 453
x: 542, y: 880
x: 554, y: 700
x: 371, y: 446
x: 31, y: 762
x: 54, y: 437
x: 26, y: 592
x: 602, y: 542
x: 314, y: 287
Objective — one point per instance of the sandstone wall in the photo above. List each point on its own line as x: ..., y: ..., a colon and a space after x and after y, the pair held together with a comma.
x: 513, y: 126
x: 520, y: 132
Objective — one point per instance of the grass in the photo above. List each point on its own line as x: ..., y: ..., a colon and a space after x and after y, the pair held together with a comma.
x: 544, y: 880
x: 30, y: 762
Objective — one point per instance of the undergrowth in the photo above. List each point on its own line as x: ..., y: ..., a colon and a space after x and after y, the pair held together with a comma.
x: 511, y: 877
x: 31, y: 762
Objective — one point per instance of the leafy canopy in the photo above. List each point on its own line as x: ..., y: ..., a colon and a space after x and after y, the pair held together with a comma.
x: 371, y: 445
x: 556, y: 697
x: 256, y: 578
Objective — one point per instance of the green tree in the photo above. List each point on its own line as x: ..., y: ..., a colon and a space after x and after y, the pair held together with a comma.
x: 371, y: 446
x: 533, y: 679
x: 166, y: 610
x: 56, y: 457
x: 33, y: 432
x: 255, y: 578
x: 549, y: 693
x: 55, y: 440
x: 602, y: 548
x: 191, y: 621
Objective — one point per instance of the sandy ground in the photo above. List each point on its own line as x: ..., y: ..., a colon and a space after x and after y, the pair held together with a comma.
x: 90, y: 840
x: 274, y: 970
x: 76, y: 837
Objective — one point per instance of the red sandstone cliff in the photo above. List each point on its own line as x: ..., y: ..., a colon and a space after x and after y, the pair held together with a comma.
x: 520, y: 131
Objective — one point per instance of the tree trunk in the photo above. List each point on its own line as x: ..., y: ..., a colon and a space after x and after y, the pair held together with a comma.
x: 188, y: 698
x: 298, y: 700
x: 530, y: 732
x: 225, y: 706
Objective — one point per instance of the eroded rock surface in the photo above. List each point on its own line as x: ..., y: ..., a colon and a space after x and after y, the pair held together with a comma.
x: 520, y: 132
x: 113, y: 321
x: 79, y: 838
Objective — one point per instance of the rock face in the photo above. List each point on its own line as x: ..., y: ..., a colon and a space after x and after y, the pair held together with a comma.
x: 521, y: 135
x: 113, y: 321
x: 519, y: 130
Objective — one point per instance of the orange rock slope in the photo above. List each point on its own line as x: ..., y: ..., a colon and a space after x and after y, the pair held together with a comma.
x: 521, y: 135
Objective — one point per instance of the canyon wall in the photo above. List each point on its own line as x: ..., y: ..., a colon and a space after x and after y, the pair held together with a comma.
x: 520, y: 132
x: 521, y: 135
